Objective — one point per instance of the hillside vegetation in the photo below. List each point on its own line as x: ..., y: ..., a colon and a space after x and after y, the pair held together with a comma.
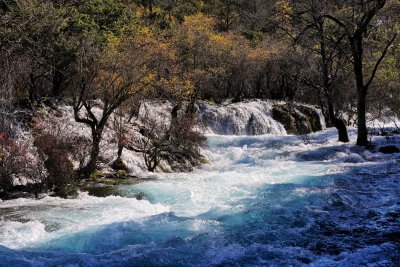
x: 105, y: 57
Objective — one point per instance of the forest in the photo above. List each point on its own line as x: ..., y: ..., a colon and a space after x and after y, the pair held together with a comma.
x: 136, y: 74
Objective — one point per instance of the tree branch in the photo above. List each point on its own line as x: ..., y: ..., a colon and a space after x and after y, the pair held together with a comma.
x: 338, y: 22
x: 384, y: 52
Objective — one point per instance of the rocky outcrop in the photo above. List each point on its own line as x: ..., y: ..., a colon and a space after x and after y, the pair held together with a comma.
x: 257, y: 117
x: 243, y: 118
x: 297, y: 119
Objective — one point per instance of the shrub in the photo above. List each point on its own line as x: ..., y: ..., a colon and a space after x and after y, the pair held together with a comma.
x: 11, y: 160
x: 17, y: 158
x: 54, y: 153
x: 179, y: 143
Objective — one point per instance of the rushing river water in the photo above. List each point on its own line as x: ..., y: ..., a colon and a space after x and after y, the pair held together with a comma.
x: 262, y: 201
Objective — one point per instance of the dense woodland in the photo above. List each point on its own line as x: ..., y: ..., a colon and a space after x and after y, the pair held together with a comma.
x: 343, y: 56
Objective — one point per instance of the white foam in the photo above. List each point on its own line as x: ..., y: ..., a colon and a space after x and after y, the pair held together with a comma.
x: 69, y: 216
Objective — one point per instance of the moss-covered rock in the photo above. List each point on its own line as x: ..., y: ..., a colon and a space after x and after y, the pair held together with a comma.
x: 297, y: 119
x: 94, y: 176
x: 102, y: 191
x: 68, y: 192
x: 119, y: 165
x: 312, y: 117
x: 281, y: 114
x: 121, y: 174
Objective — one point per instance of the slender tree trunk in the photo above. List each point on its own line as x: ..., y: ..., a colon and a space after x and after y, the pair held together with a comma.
x: 175, y: 110
x: 57, y: 81
x: 362, y: 132
x: 267, y: 92
x: 339, y: 124
x: 191, y: 109
x: 357, y: 51
x: 32, y: 91
x: 120, y: 149
x: 94, y: 154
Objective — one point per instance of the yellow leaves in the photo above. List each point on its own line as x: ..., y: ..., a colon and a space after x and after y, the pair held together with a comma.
x: 178, y: 86
x: 284, y: 7
x: 112, y: 41
x: 219, y: 41
x: 259, y: 54
x: 144, y: 33
x: 199, y: 22
x: 150, y: 78
x: 283, y: 14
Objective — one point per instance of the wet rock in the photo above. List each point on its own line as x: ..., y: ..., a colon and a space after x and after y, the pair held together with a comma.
x: 121, y: 174
x: 297, y: 119
x: 52, y: 227
x: 21, y: 191
x: 389, y: 149
x: 68, y: 192
x: 312, y: 116
x: 282, y: 115
x: 102, y: 191
x: 119, y: 165
x: 254, y: 126
x: 140, y: 196
x: 5, y: 195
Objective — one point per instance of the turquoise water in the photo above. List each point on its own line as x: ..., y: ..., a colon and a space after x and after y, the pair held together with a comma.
x: 261, y: 201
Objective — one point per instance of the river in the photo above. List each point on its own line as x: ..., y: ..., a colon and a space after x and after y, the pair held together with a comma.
x: 261, y: 201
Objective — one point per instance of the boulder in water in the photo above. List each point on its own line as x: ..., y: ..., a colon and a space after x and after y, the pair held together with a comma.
x: 297, y: 119
x: 389, y: 149
x: 119, y: 165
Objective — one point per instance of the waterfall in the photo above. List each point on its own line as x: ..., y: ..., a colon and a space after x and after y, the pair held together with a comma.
x: 253, y: 117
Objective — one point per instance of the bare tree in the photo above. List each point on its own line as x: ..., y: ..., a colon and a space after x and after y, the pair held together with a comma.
x: 315, y: 36
x: 117, y: 76
x: 356, y: 25
x: 174, y: 139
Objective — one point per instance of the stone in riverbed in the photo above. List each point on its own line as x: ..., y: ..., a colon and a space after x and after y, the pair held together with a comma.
x: 389, y: 149
x: 119, y: 165
x: 297, y: 119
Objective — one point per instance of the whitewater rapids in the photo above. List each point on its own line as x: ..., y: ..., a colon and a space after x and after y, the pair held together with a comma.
x: 261, y: 201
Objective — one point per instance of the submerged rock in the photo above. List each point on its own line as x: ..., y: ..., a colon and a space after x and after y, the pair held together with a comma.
x: 389, y: 149
x: 102, y: 191
x: 21, y: 191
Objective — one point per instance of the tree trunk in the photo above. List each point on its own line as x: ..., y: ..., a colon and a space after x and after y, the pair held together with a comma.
x: 339, y: 124
x: 120, y: 149
x: 32, y: 88
x: 191, y: 109
x: 57, y: 81
x: 357, y: 52
x: 94, y: 154
x: 174, y: 112
x: 362, y: 132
